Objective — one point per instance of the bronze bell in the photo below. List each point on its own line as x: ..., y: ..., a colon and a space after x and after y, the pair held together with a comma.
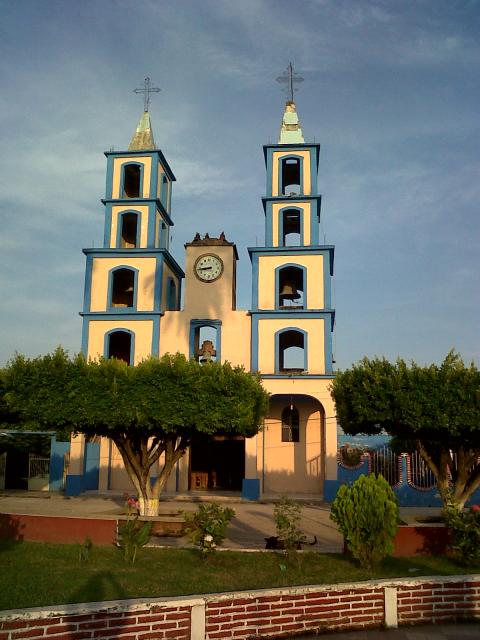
x: 289, y: 292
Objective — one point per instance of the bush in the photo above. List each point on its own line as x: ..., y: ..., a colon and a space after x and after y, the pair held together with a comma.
x: 465, y: 527
x: 208, y: 525
x: 367, y: 515
x: 287, y: 514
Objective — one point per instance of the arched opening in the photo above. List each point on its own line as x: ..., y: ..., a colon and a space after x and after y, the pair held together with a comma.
x: 291, y: 184
x: 291, y: 228
x: 205, y: 344
x: 172, y: 295
x: 123, y: 288
x: 128, y: 230
x: 291, y: 288
x: 291, y: 351
x: 163, y: 236
x: 131, y: 180
x: 290, y: 424
x: 119, y: 346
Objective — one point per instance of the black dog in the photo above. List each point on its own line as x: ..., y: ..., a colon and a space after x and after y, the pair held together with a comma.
x: 274, y: 542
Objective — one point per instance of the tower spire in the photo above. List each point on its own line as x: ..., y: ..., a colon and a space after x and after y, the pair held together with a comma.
x: 142, y: 139
x: 291, y: 130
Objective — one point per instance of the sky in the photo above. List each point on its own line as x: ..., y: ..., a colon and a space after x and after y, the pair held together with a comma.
x: 391, y: 91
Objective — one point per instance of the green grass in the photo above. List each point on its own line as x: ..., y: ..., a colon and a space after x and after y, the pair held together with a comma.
x: 36, y: 574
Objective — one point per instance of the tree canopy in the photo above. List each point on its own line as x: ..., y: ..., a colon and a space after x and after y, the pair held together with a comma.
x: 148, y: 410
x: 435, y: 409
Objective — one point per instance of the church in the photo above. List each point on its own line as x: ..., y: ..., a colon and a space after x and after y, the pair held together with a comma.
x: 139, y: 302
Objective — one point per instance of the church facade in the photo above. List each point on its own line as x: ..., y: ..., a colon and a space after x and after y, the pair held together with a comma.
x: 133, y: 309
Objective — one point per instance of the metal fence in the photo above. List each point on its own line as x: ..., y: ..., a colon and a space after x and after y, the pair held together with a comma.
x: 38, y: 467
x: 387, y: 463
x: 419, y: 474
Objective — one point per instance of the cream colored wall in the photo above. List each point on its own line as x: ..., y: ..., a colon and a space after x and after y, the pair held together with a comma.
x: 266, y: 279
x: 277, y: 158
x: 143, y: 330
x: 307, y: 212
x: 314, y: 327
x: 235, y: 333
x: 116, y: 211
x: 145, y: 283
x: 117, y: 172
x: 212, y: 298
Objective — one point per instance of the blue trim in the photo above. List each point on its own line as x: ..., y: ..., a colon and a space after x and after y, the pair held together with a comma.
x: 277, y: 285
x: 327, y: 348
x: 153, y: 178
x: 207, y: 322
x: 151, y: 226
x: 144, y: 253
x: 327, y: 281
x: 57, y: 453
x: 121, y: 193
x: 107, y: 230
x: 87, y: 290
x: 281, y: 161
x: 109, y: 179
x: 281, y: 215
x: 293, y: 200
x: 330, y: 488
x: 123, y: 315
x: 106, y: 337
x: 251, y: 489
x: 146, y: 154
x: 171, y: 301
x: 158, y: 286
x: 254, y: 345
x: 139, y: 201
x: 277, y: 348
x: 73, y: 485
x: 308, y: 146
x: 120, y: 216
x: 297, y: 376
x: 85, y: 336
x: 110, y: 306
x: 156, y: 337
x: 255, y: 267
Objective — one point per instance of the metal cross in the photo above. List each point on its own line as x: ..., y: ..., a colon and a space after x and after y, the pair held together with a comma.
x: 291, y: 77
x: 147, y: 90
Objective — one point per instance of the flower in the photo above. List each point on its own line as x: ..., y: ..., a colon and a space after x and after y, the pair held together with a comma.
x: 475, y: 508
x: 208, y: 538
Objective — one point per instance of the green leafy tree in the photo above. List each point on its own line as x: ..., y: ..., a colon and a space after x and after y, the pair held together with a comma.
x: 434, y: 409
x: 149, y: 410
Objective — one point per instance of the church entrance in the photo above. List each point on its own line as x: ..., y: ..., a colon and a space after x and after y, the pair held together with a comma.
x: 217, y: 463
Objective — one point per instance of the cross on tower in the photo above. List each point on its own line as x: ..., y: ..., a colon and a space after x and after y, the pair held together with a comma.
x: 291, y: 77
x: 147, y: 90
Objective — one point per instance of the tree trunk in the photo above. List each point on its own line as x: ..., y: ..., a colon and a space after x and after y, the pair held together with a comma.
x: 138, y: 462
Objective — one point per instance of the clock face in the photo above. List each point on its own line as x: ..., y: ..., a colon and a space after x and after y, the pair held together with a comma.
x: 208, y: 267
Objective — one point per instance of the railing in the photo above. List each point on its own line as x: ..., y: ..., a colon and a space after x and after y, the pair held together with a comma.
x: 419, y: 474
x: 387, y: 463
x: 38, y: 467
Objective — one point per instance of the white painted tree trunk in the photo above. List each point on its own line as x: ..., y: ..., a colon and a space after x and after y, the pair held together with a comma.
x: 148, y: 506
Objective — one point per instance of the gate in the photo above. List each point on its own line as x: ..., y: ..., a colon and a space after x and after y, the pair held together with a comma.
x: 38, y: 473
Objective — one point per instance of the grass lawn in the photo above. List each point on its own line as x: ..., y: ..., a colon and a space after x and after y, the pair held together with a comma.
x: 34, y: 574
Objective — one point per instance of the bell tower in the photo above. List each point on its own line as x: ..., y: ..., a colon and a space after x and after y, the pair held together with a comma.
x: 133, y: 279
x: 292, y: 318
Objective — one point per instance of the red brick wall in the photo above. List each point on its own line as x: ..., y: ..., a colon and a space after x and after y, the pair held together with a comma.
x: 437, y: 602
x: 255, y: 614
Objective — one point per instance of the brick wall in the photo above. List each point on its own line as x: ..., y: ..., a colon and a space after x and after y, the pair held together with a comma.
x: 254, y: 614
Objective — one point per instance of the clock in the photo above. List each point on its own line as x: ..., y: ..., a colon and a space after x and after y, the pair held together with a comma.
x: 208, y: 267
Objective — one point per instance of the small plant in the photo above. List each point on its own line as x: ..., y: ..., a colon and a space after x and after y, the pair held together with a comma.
x: 84, y: 550
x: 287, y: 514
x: 367, y: 516
x: 208, y: 525
x: 132, y: 534
x: 465, y: 527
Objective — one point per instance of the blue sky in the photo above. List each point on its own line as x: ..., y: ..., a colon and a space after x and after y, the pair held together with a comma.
x: 391, y: 92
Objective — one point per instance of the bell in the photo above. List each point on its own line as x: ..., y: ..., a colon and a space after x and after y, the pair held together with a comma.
x: 289, y: 292
x: 207, y: 351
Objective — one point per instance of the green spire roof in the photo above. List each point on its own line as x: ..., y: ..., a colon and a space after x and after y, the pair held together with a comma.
x: 291, y: 130
x: 142, y: 139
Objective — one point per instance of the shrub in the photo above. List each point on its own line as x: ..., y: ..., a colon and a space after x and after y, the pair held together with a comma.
x: 367, y: 515
x: 287, y: 514
x: 132, y: 535
x: 465, y: 528
x: 208, y: 525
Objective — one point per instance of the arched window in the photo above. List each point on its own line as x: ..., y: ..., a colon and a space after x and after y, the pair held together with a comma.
x: 128, y: 230
x: 290, y: 424
x: 291, y: 228
x: 205, y: 340
x: 122, y: 288
x: 119, y: 345
x: 290, y: 176
x: 291, y: 288
x: 132, y: 174
x: 291, y: 351
x: 172, y: 295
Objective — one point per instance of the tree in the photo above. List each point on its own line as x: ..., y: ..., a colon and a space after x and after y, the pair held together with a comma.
x: 435, y: 409
x: 148, y: 410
